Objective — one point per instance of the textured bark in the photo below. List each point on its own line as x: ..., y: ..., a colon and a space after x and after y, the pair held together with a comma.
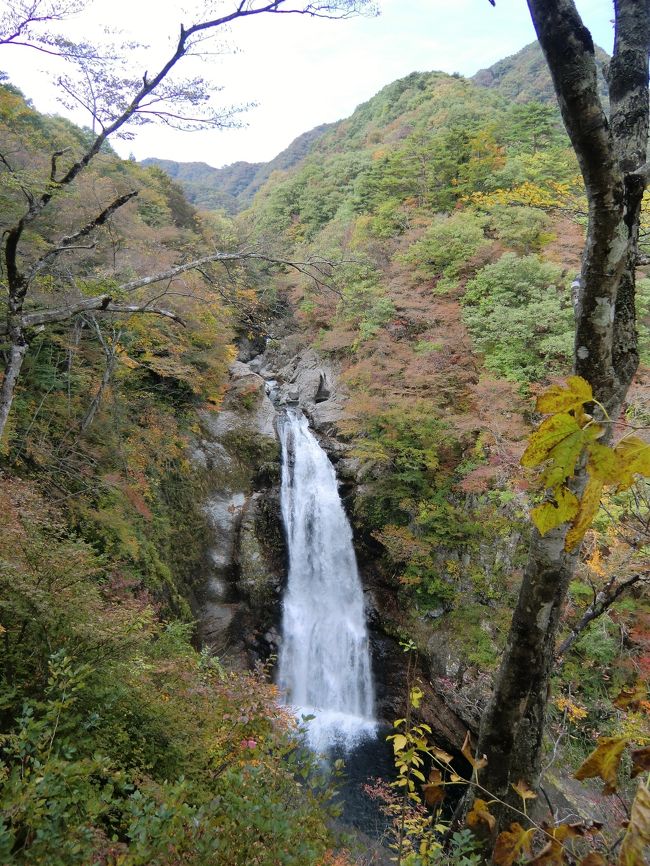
x: 612, y: 157
x: 17, y: 345
x: 12, y: 372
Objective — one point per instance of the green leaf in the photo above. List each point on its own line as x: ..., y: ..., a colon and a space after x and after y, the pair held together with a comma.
x: 549, y: 515
x: 559, y: 399
x: 564, y: 456
x: 399, y: 742
x: 589, y: 505
x: 634, y: 454
x: 549, y: 434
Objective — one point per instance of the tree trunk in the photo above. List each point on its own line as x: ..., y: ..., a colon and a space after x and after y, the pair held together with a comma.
x: 512, y: 727
x: 110, y: 356
x: 612, y: 156
x: 12, y: 371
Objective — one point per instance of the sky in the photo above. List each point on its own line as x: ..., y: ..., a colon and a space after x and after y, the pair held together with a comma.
x: 299, y: 72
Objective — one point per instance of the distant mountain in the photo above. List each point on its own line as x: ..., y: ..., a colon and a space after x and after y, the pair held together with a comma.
x: 234, y: 186
x: 389, y: 116
x: 524, y: 76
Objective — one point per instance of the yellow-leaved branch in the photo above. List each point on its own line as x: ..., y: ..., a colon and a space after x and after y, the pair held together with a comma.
x: 568, y: 439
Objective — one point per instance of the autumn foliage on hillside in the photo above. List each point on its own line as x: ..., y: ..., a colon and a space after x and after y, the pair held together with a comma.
x: 122, y: 743
x: 460, y: 220
x: 456, y: 219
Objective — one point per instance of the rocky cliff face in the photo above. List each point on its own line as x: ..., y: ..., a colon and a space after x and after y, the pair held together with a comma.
x: 239, y: 452
x: 241, y: 601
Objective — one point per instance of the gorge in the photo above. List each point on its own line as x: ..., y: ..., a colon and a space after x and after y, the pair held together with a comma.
x: 296, y: 489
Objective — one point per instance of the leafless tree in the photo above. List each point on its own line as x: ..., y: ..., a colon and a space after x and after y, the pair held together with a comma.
x: 115, y: 102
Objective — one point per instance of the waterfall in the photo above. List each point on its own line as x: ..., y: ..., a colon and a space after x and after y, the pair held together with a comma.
x: 324, y: 665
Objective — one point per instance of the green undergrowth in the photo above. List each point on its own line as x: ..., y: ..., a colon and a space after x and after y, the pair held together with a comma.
x: 123, y: 744
x: 437, y: 548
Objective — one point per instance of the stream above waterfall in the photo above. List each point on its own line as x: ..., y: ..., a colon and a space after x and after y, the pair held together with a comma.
x: 324, y: 666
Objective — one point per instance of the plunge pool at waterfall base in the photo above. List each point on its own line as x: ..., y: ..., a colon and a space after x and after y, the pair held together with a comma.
x: 372, y: 761
x: 329, y: 730
x: 369, y: 760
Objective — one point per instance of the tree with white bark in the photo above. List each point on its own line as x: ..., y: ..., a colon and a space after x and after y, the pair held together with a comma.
x: 611, y: 147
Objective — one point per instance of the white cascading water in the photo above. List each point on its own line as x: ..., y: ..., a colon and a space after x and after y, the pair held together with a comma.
x: 324, y: 665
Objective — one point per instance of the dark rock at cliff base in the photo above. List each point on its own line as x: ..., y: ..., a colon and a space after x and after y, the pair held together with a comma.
x: 240, y: 455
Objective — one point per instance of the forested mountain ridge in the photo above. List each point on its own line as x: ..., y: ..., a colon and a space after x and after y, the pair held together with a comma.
x: 525, y: 76
x: 232, y: 187
x: 457, y: 214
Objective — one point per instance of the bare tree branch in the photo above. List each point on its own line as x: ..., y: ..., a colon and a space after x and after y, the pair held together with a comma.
x: 97, y: 304
x: 18, y: 22
x: 313, y: 268
x: 66, y: 243
x: 601, y: 603
x: 121, y: 101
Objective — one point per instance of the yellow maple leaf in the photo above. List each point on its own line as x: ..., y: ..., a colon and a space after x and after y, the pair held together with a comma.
x: 433, y: 790
x: 511, y: 843
x: 552, y: 854
x: 637, y: 837
x: 548, y: 515
x: 604, y: 761
x: 560, y: 399
x: 468, y: 753
x: 564, y: 456
x: 549, y: 433
x: 604, y: 463
x: 589, y: 505
x: 480, y: 814
x: 524, y: 791
x: 634, y: 455
x: 441, y: 755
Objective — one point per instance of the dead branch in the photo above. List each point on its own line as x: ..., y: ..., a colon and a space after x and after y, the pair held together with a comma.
x: 600, y: 605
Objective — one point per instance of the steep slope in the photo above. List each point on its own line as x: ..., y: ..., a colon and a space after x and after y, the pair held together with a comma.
x: 455, y: 213
x: 524, y: 76
x: 145, y: 749
x: 232, y: 187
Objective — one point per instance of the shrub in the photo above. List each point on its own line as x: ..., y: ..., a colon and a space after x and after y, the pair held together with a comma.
x: 523, y: 229
x: 446, y: 247
x: 518, y: 311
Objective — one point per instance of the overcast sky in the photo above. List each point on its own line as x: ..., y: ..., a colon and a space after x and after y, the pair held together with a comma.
x: 301, y: 72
